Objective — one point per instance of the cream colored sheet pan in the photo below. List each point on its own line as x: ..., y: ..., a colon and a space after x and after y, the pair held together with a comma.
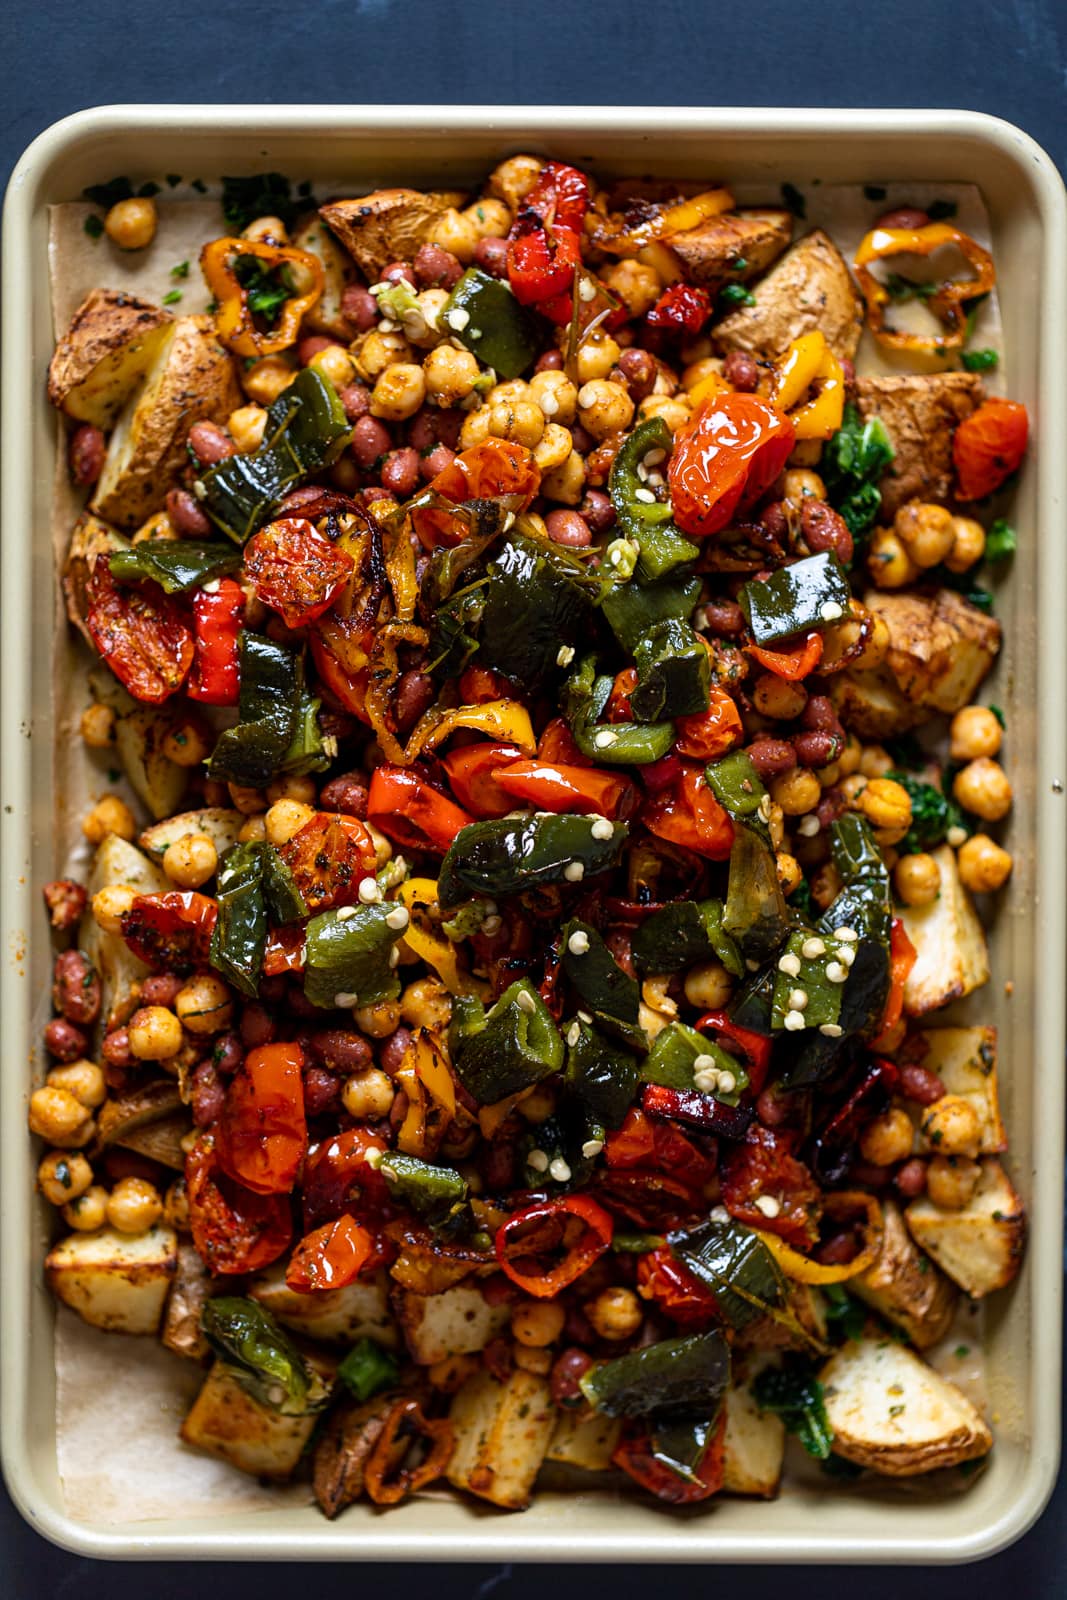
x: 341, y: 147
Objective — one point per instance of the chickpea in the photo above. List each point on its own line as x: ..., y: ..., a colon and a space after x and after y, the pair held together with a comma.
x: 134, y: 1205
x: 537, y: 1106
x: 968, y: 544
x: 426, y: 1003
x: 887, y: 807
x: 604, y: 407
x: 475, y: 428
x: 825, y: 885
x: 557, y: 396
x: 875, y: 761
x: 176, y: 1206
x: 974, y: 732
x: 852, y: 788
x: 83, y: 1079
x: 952, y: 1126
x: 399, y: 392
x: 191, y: 860
x: 450, y: 374
x: 284, y: 819
x: 88, y: 1212
x: 56, y: 1115
x: 368, y: 1096
x: 539, y: 1362
x: 264, y: 381
x: 537, y: 1322
x: 292, y: 788
x: 98, y: 726
x: 157, y: 526
x: 597, y: 354
x: 828, y: 776
x: 131, y: 224
x: 982, y: 787
x: 247, y: 801
x: 378, y: 1021
x: 566, y: 482
x: 63, y: 1176
x: 917, y: 879
x: 888, y: 561
x: 637, y: 284
x: 797, y: 792
x: 383, y: 850
x: 155, y: 1034
x: 848, y: 761
x: 110, y: 905
x: 513, y: 179
x: 951, y: 1181
x: 521, y: 421
x: 778, y: 698
x: 984, y: 866
x: 335, y: 364
x: 424, y: 327
x: 674, y: 412
x: 888, y: 1138
x: 553, y: 447
x: 186, y: 742
x: 490, y: 218
x: 615, y: 1313
x: 708, y: 986
x: 246, y: 427
x: 799, y: 483
x: 375, y: 351
x: 789, y: 873
x: 204, y: 1004
x: 456, y: 231
x: 707, y: 366
x: 109, y: 815
x: 926, y: 532
x: 267, y: 230
x: 252, y: 830
x: 877, y: 646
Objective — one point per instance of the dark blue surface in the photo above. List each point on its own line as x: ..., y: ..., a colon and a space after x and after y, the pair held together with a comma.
x: 1008, y: 57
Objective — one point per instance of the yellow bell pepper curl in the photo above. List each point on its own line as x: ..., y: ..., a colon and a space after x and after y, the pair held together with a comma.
x: 234, y: 318
x: 947, y: 300
x: 802, y: 1269
x: 810, y: 364
x: 423, y: 936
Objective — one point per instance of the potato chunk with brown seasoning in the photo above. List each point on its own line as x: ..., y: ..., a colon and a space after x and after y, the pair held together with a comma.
x: 809, y: 289
x: 920, y: 412
x: 388, y: 225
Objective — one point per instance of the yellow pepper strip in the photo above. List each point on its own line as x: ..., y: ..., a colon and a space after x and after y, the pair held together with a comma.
x: 797, y: 369
x: 419, y: 895
x: 506, y: 721
x: 810, y: 361
x: 431, y: 1068
x: 234, y: 321
x: 426, y: 1080
x: 400, y: 570
x: 710, y: 385
x: 946, y: 303
x: 802, y: 1269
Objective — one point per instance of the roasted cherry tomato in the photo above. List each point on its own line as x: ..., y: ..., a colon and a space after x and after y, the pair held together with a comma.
x: 707, y: 735
x: 689, y: 814
x: 725, y: 459
x: 764, y: 1165
x: 171, y: 932
x: 140, y: 633
x: 557, y: 745
x: 675, y: 1291
x: 338, y: 1178
x: 681, y: 308
x: 332, y: 1256
x: 656, y: 1146
x: 634, y: 1455
x: 328, y: 857
x: 410, y: 810
x: 295, y: 570
x: 988, y: 446
x: 261, y: 1134
x: 544, y: 246
x: 495, y: 469
x: 471, y: 776
x: 284, y: 951
x: 234, y: 1230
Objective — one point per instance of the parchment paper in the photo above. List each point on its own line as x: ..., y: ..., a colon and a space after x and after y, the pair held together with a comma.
x: 120, y: 1399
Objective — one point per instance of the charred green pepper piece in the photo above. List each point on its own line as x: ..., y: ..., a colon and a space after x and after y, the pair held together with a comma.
x: 599, y: 982
x: 864, y: 901
x: 284, y: 900
x: 662, y: 548
x: 177, y: 565
x: 735, y: 1264
x: 506, y: 1049
x: 682, y: 934
x: 809, y: 982
x: 741, y: 792
x: 681, y: 1443
x: 427, y: 1190
x: 271, y: 682
x: 262, y: 1357
x: 239, y: 937
x: 368, y: 1369
x: 611, y: 744
x: 673, y: 1377
x: 508, y: 856
x: 812, y: 593
x: 633, y: 609
x: 306, y: 431
x: 538, y: 601
x: 554, y: 1153
x: 348, y: 953
x: 600, y: 1073
x: 484, y: 315
x: 756, y: 914
x: 673, y: 674
x: 679, y: 1053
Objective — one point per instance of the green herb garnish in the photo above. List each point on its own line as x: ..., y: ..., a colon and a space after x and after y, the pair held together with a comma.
x: 980, y: 360
x: 735, y: 294
x: 94, y: 227
x: 796, y: 1396
x: 794, y: 200
x: 1001, y: 541
x: 171, y: 297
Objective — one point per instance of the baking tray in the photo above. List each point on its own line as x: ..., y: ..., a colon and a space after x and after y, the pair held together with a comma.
x: 362, y: 147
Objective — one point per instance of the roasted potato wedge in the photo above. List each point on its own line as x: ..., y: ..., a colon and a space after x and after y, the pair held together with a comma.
x: 189, y: 1292
x: 949, y: 940
x: 870, y: 703
x: 157, y: 781
x: 141, y: 1108
x: 336, y: 1316
x: 227, y: 1421
x: 458, y: 1322
x: 388, y: 225
x: 91, y: 540
x: 920, y: 411
x: 754, y: 1444
x: 980, y: 1247
x: 116, y: 1281
x: 111, y: 340
x: 584, y: 1441
x: 808, y: 288
x: 120, y: 972
x: 191, y: 379
x: 892, y: 1412
x: 342, y: 1453
x: 503, y: 1431
x: 707, y: 253
x: 905, y: 1286
x: 220, y: 824
x: 965, y: 1059
x: 941, y: 647
x: 325, y: 316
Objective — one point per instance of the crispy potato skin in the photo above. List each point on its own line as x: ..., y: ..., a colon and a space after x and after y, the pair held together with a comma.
x: 809, y: 288
x: 189, y: 1293
x: 503, y: 1431
x: 940, y: 647
x: 905, y: 1286
x: 110, y: 341
x: 388, y: 225
x: 920, y: 412
x: 952, y: 957
x: 755, y: 237
x: 340, y: 1459
x: 90, y: 540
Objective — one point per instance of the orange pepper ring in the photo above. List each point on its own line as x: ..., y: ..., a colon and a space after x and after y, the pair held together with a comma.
x: 802, y: 1269
x: 946, y: 304
x: 234, y: 323
x: 391, y: 1448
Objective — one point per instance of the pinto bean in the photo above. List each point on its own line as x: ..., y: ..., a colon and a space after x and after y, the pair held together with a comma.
x: 294, y: 500
x: 435, y: 461
x: 414, y: 695
x: 771, y: 757
x: 85, y: 453
x: 436, y: 268
x: 399, y: 272
x: 639, y: 369
x: 400, y: 472
x: 359, y: 307
x: 185, y: 514
x: 227, y: 1054
x: 492, y: 256
x: 568, y: 1367
x: 818, y: 748
x: 910, y: 1179
x: 75, y: 988
x: 422, y: 429
x: 208, y: 1094
x: 498, y: 1166
x: 832, y: 805
x: 449, y: 422
x: 64, y: 1041
x: 903, y: 217
x: 340, y: 1050
x: 297, y: 1001
x: 115, y: 1048
x: 775, y: 523
x: 370, y: 439
x: 725, y: 618
x: 210, y: 443
x: 920, y: 1084
x: 841, y: 1248
x: 257, y: 1026
x: 160, y: 991
x: 771, y: 1109
x: 66, y: 902
x: 355, y: 397
x: 597, y: 509
x: 825, y: 529
x: 322, y: 1092
x: 742, y: 370
x: 346, y: 793
x: 569, y: 528
x: 392, y: 1050
x: 549, y: 361
x: 582, y: 439
x: 312, y: 345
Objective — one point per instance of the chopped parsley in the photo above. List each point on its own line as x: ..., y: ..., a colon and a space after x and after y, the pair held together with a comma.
x: 980, y: 360
x: 941, y: 210
x: 94, y: 227
x: 1001, y: 541
x: 181, y: 270
x: 265, y: 194
x: 199, y: 185
x: 933, y: 814
x: 735, y: 294
x: 265, y: 287
x: 173, y: 179
x: 171, y: 297
x: 853, y: 463
x: 896, y: 1411
x: 961, y: 1350
x: 109, y: 194
x: 900, y: 288
x: 998, y: 713
x: 794, y: 200
x: 844, y: 1315
x: 796, y: 1395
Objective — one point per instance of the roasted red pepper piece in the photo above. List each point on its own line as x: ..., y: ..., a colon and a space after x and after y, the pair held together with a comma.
x: 755, y: 1048
x: 548, y: 787
x: 682, y: 308
x: 340, y: 648
x: 764, y: 1166
x: 332, y: 1256
x: 699, y: 1110
x: 234, y: 1230
x: 902, y: 957
x: 328, y: 858
x: 218, y: 615
x: 140, y: 633
x: 495, y: 469
x: 471, y: 772
x: 171, y: 933
x: 707, y: 735
x: 725, y: 459
x: 665, y: 1280
x: 261, y: 1134
x: 545, y: 246
x: 295, y: 570
x: 543, y: 1226
x: 634, y: 1455
x: 790, y: 664
x: 988, y: 446
x: 642, y: 1141
x: 689, y: 814
x: 411, y: 811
